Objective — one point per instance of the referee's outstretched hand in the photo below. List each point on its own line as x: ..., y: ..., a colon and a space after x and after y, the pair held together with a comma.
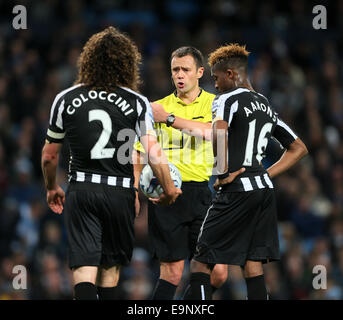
x: 167, y: 199
x: 232, y: 176
x: 55, y: 199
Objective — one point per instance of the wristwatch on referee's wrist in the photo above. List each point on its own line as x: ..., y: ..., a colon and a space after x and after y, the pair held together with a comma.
x: 170, y: 120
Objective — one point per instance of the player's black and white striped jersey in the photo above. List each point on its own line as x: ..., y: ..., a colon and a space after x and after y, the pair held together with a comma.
x: 252, y: 122
x: 101, y: 128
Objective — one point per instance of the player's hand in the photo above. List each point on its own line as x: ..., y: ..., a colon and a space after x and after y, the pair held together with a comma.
x: 232, y: 176
x: 167, y: 199
x: 55, y: 199
x: 160, y: 115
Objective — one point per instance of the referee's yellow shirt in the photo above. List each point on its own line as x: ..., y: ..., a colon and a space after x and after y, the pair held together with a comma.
x: 193, y: 156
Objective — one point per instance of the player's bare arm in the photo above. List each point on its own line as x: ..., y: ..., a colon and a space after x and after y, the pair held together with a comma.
x: 49, y: 162
x: 296, y: 151
x: 137, y: 160
x: 219, y: 143
x: 138, y: 164
x: 195, y: 128
x: 159, y: 165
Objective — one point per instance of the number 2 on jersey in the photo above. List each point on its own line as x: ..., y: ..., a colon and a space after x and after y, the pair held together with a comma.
x: 261, y: 142
x: 99, y: 151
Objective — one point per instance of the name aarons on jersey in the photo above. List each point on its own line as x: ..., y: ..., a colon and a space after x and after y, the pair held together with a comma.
x: 119, y: 101
x: 260, y: 107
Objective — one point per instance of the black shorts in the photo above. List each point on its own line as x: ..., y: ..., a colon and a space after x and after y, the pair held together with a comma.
x: 99, y: 221
x: 239, y: 226
x: 174, y: 229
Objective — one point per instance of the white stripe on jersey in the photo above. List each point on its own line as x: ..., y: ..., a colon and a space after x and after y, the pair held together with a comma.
x: 286, y: 127
x: 202, y: 226
x: 144, y: 98
x: 137, y: 94
x: 202, y: 292
x: 259, y: 182
x: 139, y: 111
x: 268, y: 181
x: 247, y: 184
x: 59, y: 121
x: 260, y: 94
x: 219, y: 104
x: 112, y: 181
x: 233, y: 109
x: 126, y: 182
x: 96, y: 178
x: 61, y: 94
x: 148, y: 118
x: 80, y: 176
x: 55, y: 135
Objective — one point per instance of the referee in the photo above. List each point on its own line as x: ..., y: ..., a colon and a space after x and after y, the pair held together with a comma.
x: 99, y: 205
x: 183, y: 124
x: 240, y: 227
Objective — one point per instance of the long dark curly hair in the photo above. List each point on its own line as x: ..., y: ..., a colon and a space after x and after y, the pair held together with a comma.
x: 109, y: 59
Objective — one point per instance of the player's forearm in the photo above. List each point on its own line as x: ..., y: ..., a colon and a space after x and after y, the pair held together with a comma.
x: 159, y: 165
x: 296, y: 151
x: 195, y: 128
x: 49, y: 166
x: 138, y: 165
x: 49, y: 163
x: 219, y: 143
x: 158, y: 162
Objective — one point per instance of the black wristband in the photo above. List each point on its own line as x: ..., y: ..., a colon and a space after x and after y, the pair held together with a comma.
x: 170, y: 120
x: 224, y: 175
x: 134, y: 188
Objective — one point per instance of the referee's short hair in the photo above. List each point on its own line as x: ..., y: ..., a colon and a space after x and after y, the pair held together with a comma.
x: 189, y: 51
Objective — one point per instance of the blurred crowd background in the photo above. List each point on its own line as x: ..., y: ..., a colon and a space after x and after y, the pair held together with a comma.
x: 297, y: 67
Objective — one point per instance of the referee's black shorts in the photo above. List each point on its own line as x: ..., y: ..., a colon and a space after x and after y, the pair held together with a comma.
x: 239, y: 226
x: 174, y: 229
x: 99, y: 221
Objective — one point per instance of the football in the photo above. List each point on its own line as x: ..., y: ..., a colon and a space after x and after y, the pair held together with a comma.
x: 149, y: 184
